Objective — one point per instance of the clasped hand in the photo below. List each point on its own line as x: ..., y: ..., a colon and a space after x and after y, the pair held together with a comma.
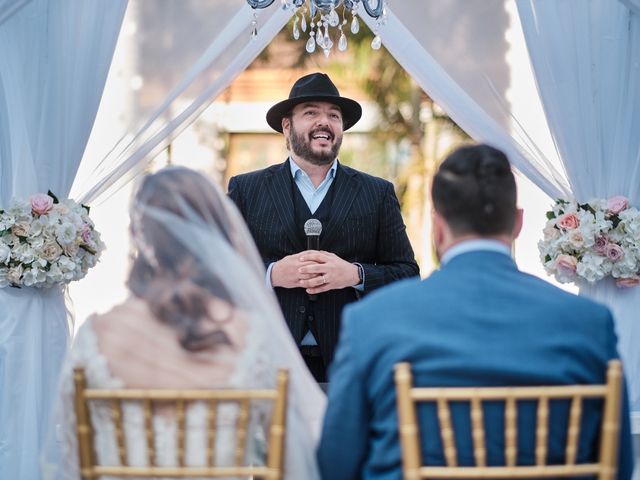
x: 316, y: 271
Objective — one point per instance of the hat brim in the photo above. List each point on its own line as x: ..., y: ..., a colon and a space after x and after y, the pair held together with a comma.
x: 351, y: 110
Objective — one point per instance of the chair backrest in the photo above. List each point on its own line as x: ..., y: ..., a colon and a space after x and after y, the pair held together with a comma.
x: 413, y: 468
x: 180, y: 399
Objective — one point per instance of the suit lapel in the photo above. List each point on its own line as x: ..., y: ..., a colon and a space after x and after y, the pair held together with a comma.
x: 279, y: 184
x: 346, y: 189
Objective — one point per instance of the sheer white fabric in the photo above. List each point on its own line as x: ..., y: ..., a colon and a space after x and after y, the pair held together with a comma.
x: 180, y: 243
x: 53, y: 65
x: 458, y: 52
x: 10, y: 7
x: 230, y: 52
x: 633, y: 5
x: 587, y: 66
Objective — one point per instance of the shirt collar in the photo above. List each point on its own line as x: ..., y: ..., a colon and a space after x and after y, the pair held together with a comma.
x: 473, y: 246
x: 295, y: 168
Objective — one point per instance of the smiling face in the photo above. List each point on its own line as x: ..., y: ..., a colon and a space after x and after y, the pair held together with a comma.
x: 314, y: 132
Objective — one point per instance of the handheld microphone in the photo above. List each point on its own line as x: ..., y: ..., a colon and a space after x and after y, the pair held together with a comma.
x: 313, y: 229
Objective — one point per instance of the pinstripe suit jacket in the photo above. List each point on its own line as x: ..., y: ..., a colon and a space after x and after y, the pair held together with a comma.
x: 365, y: 226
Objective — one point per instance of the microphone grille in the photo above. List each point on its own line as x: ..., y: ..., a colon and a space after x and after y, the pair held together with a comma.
x: 312, y: 227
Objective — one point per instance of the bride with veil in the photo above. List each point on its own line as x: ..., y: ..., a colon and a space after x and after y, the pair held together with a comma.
x: 199, y: 316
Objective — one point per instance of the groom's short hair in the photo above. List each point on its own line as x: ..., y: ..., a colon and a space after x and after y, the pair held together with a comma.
x: 474, y: 191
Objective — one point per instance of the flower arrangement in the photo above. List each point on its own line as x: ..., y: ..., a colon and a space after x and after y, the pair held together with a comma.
x: 589, y: 241
x: 46, y: 242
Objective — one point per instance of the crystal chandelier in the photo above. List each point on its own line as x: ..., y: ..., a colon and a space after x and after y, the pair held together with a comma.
x: 321, y: 18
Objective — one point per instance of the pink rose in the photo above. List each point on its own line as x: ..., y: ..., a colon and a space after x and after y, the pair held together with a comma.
x: 617, y: 204
x: 568, y: 221
x: 85, y: 233
x: 628, y: 282
x: 600, y: 245
x: 41, y: 203
x: 566, y: 265
x: 613, y: 252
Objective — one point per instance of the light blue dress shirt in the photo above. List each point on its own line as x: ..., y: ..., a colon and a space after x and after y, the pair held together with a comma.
x: 473, y: 246
x: 313, y: 197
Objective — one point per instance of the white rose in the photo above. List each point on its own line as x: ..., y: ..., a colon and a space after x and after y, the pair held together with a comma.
x: 21, y: 211
x: 24, y: 253
x: 5, y: 253
x: 66, y: 233
x: 20, y: 229
x: 14, y: 274
x: 576, y: 240
x: 51, y: 251
x: 37, y: 243
x: 36, y: 228
x: 550, y: 232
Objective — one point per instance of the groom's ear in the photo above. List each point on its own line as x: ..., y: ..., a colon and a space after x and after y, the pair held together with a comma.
x: 439, y: 231
x: 517, y: 225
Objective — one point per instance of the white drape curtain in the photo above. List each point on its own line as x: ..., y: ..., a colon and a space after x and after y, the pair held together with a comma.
x: 587, y: 66
x: 456, y: 51
x: 54, y: 62
x: 10, y: 7
x: 229, y: 53
x: 633, y: 5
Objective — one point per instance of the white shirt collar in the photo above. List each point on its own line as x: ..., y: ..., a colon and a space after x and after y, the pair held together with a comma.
x: 296, y: 168
x: 473, y: 246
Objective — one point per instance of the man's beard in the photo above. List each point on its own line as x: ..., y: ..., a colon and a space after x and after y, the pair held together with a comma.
x: 301, y: 146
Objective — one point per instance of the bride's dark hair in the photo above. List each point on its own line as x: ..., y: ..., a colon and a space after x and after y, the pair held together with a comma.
x: 165, y: 274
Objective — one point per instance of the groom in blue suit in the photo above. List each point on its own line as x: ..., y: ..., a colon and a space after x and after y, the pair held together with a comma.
x: 478, y: 321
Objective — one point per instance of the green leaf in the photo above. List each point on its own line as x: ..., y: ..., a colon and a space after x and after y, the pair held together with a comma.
x: 88, y: 249
x: 550, y: 215
x: 55, y: 199
x: 547, y: 258
x: 615, y: 220
x: 587, y: 207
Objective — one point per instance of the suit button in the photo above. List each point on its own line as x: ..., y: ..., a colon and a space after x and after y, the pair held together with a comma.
x: 310, y: 318
x: 302, y: 309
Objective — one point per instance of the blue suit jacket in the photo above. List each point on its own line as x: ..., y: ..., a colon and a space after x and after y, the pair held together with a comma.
x: 477, y: 321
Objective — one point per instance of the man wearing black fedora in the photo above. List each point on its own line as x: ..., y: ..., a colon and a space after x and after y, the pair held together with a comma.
x: 363, y: 243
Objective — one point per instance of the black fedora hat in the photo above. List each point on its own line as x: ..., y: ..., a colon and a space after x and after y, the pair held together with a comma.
x: 314, y: 87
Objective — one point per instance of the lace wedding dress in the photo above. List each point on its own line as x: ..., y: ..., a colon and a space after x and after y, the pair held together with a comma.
x: 253, y: 369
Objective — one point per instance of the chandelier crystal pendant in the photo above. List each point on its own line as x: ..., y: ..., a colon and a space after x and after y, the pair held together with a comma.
x: 323, y: 21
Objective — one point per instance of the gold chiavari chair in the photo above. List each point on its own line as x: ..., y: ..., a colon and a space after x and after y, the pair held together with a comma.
x: 90, y: 470
x: 413, y: 469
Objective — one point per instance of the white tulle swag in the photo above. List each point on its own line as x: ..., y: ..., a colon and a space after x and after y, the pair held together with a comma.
x: 46, y: 242
x: 593, y: 240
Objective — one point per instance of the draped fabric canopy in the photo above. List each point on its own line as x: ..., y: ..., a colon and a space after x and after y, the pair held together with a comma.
x: 53, y: 64
x: 554, y: 84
